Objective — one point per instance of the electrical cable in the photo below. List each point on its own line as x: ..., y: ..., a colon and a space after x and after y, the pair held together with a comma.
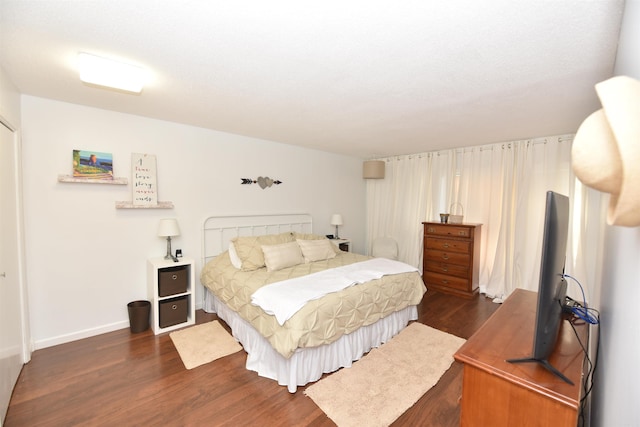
x: 582, y: 310
x: 590, y: 316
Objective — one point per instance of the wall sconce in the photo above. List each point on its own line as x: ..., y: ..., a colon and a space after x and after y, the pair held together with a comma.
x: 336, y: 219
x: 373, y: 169
x: 169, y: 227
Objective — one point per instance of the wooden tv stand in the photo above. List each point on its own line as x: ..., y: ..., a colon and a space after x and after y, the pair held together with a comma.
x: 498, y: 393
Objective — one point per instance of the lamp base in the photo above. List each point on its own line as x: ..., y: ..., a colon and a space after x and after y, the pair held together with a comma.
x: 168, y: 255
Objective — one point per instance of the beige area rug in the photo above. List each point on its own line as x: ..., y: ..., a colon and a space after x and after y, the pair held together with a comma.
x: 387, y: 381
x: 203, y: 343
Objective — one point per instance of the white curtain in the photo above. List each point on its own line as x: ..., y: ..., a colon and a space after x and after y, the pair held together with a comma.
x: 395, y: 205
x: 501, y: 186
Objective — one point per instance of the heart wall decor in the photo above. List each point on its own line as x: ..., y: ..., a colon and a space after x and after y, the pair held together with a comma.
x: 262, y: 181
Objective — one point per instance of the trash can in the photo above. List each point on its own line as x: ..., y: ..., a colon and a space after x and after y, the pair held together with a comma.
x: 139, y: 315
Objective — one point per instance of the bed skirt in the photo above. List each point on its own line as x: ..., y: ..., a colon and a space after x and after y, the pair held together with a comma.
x: 307, y: 364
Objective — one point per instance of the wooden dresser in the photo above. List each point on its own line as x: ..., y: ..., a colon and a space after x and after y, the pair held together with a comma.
x: 452, y: 258
x: 498, y: 393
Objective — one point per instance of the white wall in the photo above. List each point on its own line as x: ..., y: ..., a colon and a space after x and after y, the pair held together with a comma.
x: 10, y: 100
x: 617, y: 391
x: 87, y: 260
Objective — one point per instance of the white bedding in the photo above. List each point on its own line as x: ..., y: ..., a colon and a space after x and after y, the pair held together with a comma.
x: 307, y: 364
x: 308, y: 345
x: 283, y: 299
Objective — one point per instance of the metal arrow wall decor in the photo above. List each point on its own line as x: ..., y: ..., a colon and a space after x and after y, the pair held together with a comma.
x: 262, y: 181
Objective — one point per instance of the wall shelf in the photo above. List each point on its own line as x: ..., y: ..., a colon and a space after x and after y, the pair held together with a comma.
x: 115, y: 181
x: 130, y: 205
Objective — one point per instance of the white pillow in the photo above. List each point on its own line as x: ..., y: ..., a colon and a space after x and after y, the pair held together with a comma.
x: 316, y: 250
x: 233, y: 255
x: 283, y: 255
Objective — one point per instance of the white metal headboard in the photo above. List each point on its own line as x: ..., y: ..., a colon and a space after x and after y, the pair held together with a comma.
x: 219, y: 230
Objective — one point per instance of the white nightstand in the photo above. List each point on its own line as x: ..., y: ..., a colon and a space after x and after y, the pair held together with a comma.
x: 343, y: 244
x: 172, y: 293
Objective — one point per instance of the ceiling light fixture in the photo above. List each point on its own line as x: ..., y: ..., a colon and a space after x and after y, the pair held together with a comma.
x: 109, y: 73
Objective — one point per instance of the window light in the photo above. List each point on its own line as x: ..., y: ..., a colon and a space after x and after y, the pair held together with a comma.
x: 109, y: 73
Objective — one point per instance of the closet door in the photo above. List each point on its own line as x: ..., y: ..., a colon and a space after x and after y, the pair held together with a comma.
x: 12, y: 326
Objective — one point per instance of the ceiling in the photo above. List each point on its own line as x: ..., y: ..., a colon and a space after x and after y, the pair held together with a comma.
x: 364, y: 78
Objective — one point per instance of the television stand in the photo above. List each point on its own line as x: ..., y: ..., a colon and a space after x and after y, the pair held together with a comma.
x: 545, y: 364
x: 519, y: 391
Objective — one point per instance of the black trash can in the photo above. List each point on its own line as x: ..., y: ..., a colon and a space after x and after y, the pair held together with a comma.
x: 139, y: 315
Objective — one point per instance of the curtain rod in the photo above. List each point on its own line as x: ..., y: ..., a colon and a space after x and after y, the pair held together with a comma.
x: 503, y: 145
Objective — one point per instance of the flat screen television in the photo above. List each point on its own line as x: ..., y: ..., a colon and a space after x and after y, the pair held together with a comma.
x: 552, y: 288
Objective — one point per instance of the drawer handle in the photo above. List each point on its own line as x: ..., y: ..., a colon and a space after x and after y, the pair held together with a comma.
x: 462, y: 233
x: 431, y: 230
x: 174, y: 277
x: 445, y: 282
x: 174, y: 307
x: 445, y: 256
x: 445, y: 269
x: 446, y: 245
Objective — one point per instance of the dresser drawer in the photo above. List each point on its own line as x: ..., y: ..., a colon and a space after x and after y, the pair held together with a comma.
x: 173, y: 280
x: 446, y: 281
x: 173, y: 311
x: 449, y: 245
x: 448, y: 257
x: 445, y: 268
x: 447, y: 230
x: 451, y: 258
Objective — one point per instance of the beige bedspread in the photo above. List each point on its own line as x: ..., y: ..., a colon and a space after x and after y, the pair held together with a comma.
x: 320, y: 321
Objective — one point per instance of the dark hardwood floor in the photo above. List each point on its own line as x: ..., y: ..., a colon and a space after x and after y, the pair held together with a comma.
x: 124, y: 379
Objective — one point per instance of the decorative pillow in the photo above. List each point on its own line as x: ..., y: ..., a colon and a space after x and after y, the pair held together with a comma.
x: 249, y: 248
x: 308, y: 236
x: 233, y: 255
x: 311, y: 236
x: 317, y: 250
x: 277, y: 257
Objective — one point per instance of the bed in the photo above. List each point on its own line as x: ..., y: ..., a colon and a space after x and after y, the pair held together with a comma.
x: 327, y: 333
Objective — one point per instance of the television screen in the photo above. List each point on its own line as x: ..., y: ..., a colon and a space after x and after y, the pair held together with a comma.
x: 552, y: 288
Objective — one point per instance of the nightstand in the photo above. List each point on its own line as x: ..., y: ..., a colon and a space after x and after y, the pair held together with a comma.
x: 343, y: 244
x: 171, y: 288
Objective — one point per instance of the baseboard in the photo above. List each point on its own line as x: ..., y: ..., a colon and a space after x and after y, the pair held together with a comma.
x: 63, y: 339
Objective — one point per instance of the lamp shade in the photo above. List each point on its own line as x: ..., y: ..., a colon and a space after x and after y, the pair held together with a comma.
x: 336, y: 219
x: 168, y: 227
x: 373, y: 169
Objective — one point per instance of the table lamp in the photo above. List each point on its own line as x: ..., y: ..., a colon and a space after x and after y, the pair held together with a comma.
x: 169, y: 227
x: 336, y: 219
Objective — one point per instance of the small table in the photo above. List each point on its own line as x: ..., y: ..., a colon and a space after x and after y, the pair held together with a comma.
x: 343, y: 244
x: 171, y: 288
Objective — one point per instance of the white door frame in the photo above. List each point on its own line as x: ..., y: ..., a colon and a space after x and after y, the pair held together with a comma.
x: 26, y: 344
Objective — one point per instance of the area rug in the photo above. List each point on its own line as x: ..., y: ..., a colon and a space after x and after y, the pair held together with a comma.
x: 203, y: 343
x: 387, y: 381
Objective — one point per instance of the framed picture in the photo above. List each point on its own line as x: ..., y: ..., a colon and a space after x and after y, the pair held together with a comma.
x: 144, y: 177
x: 92, y: 164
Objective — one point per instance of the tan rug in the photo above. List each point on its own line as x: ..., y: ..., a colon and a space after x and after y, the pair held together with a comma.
x: 203, y: 343
x: 387, y: 381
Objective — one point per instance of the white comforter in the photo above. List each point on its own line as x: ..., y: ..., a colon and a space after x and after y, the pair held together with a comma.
x: 283, y: 299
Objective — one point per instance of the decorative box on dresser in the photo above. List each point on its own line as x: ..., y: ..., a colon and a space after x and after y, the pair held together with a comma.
x: 172, y: 293
x: 451, y: 261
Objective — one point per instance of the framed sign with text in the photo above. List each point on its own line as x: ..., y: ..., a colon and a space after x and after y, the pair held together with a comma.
x: 144, y: 180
